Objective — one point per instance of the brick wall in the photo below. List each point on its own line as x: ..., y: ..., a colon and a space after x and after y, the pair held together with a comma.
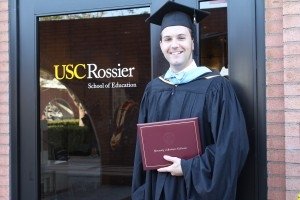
x: 283, y: 98
x: 291, y: 78
x: 49, y: 94
x: 4, y: 106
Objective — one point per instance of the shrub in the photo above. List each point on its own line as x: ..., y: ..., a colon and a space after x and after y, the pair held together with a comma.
x: 68, y: 135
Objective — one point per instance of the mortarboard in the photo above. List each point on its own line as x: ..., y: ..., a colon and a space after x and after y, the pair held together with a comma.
x: 175, y: 14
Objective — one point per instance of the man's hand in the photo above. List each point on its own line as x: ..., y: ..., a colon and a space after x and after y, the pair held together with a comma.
x: 175, y: 168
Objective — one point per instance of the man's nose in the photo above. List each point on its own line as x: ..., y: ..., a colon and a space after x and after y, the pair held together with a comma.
x: 174, y: 44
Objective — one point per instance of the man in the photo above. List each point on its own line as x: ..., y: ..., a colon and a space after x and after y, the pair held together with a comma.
x: 185, y: 91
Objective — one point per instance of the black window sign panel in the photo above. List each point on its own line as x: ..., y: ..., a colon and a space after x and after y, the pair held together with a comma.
x: 93, y: 70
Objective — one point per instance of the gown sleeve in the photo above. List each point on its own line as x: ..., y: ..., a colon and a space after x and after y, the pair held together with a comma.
x: 139, y: 175
x: 214, y: 174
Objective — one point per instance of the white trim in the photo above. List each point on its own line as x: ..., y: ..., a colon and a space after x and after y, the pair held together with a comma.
x: 213, y: 4
x: 209, y: 77
x: 166, y: 81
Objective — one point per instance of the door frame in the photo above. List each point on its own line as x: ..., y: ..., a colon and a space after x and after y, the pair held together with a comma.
x: 246, y: 55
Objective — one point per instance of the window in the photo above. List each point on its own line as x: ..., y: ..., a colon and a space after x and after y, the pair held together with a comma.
x: 93, y: 69
x: 213, y: 36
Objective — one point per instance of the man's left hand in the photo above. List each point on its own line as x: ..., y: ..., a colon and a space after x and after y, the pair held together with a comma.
x: 175, y: 168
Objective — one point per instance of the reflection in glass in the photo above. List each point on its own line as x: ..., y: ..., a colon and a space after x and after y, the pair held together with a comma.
x: 214, y: 36
x: 93, y: 70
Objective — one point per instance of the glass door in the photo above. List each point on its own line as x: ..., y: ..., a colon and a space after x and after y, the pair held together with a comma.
x: 213, y: 36
x: 93, y: 68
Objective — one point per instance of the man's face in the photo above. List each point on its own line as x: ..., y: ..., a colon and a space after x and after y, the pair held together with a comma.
x: 177, y: 46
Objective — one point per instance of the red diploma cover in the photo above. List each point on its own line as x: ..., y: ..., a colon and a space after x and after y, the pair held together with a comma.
x: 179, y: 138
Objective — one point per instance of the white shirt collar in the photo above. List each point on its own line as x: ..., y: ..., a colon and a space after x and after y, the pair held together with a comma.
x: 188, y: 68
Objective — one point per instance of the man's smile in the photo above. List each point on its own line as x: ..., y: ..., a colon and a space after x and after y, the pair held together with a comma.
x: 176, y: 53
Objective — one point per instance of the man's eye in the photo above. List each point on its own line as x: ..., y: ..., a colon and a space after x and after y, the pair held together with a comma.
x: 167, y: 39
x: 181, y: 38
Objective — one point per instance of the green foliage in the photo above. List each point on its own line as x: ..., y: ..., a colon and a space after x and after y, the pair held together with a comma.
x: 65, y: 122
x: 68, y: 135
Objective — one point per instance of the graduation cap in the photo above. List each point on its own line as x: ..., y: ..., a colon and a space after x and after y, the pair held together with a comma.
x: 175, y: 14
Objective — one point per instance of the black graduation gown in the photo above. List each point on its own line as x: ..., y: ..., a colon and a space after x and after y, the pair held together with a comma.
x: 214, y: 174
